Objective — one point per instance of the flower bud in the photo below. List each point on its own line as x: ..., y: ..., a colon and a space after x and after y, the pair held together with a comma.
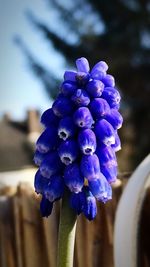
x: 68, y: 151
x: 110, y: 172
x: 48, y: 118
x: 83, y: 118
x: 82, y: 65
x: 40, y: 182
x: 98, y: 74
x: 82, y: 78
x: 109, y: 80
x: 112, y: 96
x: 87, y: 141
x: 114, y: 118
x: 99, y: 108
x: 90, y: 167
x: 70, y: 75
x: 99, y: 70
x: 95, y: 88
x: 104, y: 132
x: 77, y: 202
x: 50, y: 165
x: 62, y: 106
x: 68, y: 88
x: 90, y: 207
x: 117, y: 145
x: 106, y: 156
x: 55, y: 189
x: 66, y: 128
x: 101, y: 65
x: 80, y: 98
x: 46, y: 207
x: 73, y: 178
x: 38, y: 157
x: 47, y: 140
x: 100, y: 188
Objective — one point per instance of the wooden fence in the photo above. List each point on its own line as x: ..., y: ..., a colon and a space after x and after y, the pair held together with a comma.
x: 27, y: 240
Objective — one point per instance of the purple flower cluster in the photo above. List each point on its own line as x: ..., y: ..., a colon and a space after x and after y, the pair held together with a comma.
x: 77, y: 148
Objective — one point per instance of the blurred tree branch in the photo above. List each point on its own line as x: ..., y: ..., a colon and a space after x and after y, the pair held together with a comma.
x: 113, y: 30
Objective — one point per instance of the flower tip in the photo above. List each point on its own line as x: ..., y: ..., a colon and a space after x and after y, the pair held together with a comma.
x: 90, y: 207
x: 82, y: 65
x: 46, y: 207
x: 70, y: 75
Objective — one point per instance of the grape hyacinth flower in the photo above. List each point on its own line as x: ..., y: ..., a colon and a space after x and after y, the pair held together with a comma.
x: 73, y: 178
x: 104, y: 132
x: 49, y: 119
x: 76, y: 151
x: 89, y: 207
x: 46, y: 207
x: 48, y: 140
x: 87, y: 141
x: 83, y: 118
x: 81, y: 98
x: 99, y: 108
x: 66, y: 128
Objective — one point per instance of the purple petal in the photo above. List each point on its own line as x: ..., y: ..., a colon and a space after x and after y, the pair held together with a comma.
x: 114, y: 118
x: 100, y: 188
x: 104, y: 132
x: 90, y: 167
x: 66, y: 128
x: 82, y: 64
x: 101, y: 65
x: 98, y: 75
x: 87, y: 141
x: 68, y: 88
x: 47, y: 140
x: 50, y: 165
x: 83, y: 118
x: 109, y: 172
x: 90, y: 207
x: 95, y: 88
x: 82, y: 78
x: 117, y: 145
x: 55, y: 189
x: 70, y: 75
x: 62, y: 106
x: 73, y: 178
x: 77, y: 202
x: 39, y: 157
x: 48, y: 118
x: 112, y: 96
x: 109, y: 80
x: 46, y: 207
x: 106, y: 156
x: 81, y: 98
x: 99, y: 108
x: 40, y: 182
x: 68, y: 151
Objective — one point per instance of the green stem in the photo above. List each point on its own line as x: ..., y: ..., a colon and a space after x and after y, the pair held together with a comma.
x: 66, y: 240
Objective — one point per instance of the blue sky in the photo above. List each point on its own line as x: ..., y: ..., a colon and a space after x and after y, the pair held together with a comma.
x: 19, y: 89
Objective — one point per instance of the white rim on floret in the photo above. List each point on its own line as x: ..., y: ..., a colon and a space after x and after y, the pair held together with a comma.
x: 109, y: 140
x: 66, y: 159
x: 88, y: 150
x: 63, y: 133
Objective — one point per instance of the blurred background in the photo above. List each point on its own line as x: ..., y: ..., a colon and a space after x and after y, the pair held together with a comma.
x: 39, y: 39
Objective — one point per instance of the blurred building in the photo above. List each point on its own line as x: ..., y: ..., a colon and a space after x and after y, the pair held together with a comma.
x: 17, y: 142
